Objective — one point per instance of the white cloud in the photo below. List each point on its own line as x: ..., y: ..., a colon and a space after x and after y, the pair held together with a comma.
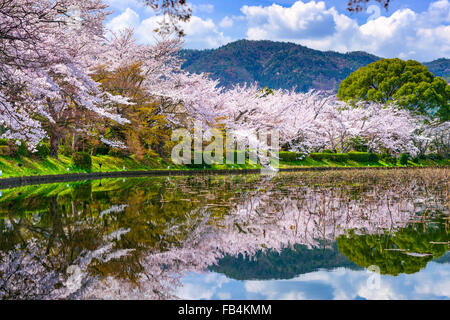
x: 344, y: 284
x: 438, y: 12
x: 432, y: 282
x: 122, y: 5
x: 202, y: 286
x: 200, y: 33
x: 302, y: 20
x: 407, y: 34
x: 226, y: 22
x: 423, y: 36
x: 128, y: 19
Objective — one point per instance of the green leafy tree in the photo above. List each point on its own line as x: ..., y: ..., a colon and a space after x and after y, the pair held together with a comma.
x: 409, y: 84
x: 407, y: 251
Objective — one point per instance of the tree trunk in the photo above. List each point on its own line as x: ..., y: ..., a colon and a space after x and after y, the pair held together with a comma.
x: 74, y: 141
x: 54, y: 144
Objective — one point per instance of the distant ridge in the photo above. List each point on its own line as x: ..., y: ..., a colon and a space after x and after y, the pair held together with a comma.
x: 440, y: 68
x: 284, y: 65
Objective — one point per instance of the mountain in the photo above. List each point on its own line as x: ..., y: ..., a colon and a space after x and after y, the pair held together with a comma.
x: 440, y: 68
x: 282, y: 65
x: 287, y: 264
x: 444, y: 259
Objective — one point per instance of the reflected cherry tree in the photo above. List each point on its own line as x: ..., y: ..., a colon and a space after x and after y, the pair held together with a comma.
x: 137, y: 241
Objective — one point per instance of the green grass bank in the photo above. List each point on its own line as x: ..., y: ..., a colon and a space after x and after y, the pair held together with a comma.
x: 30, y: 166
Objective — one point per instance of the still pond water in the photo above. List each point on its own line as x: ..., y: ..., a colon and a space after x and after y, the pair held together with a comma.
x: 330, y: 235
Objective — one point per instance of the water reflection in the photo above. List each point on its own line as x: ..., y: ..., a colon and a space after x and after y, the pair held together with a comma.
x: 433, y: 282
x: 146, y: 238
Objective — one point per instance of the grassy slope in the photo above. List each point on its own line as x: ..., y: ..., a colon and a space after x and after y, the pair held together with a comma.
x: 9, y: 166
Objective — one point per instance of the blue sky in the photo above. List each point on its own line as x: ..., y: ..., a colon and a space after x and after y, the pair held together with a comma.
x: 418, y: 29
x: 431, y: 283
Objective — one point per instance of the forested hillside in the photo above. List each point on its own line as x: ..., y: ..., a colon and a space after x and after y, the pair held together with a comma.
x: 440, y: 68
x: 283, y: 65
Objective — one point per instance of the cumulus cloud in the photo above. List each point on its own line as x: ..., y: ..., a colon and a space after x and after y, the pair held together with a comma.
x: 203, y: 287
x: 344, y: 284
x: 226, y: 22
x: 200, y: 33
x: 432, y: 282
x: 405, y: 33
x: 302, y: 20
x: 127, y: 19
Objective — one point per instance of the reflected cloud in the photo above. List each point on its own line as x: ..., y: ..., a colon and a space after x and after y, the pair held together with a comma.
x: 338, y: 284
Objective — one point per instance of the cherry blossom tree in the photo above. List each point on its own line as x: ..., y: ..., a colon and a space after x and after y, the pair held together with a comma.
x: 385, y: 128
x: 172, y: 11
x: 306, y: 122
x: 432, y: 137
x: 47, y: 48
x: 359, y: 5
x: 316, y: 120
x: 49, y: 51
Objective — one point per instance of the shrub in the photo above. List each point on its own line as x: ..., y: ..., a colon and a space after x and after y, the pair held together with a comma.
x: 373, y: 157
x: 328, y: 151
x: 435, y: 157
x: 337, y: 157
x: 65, y: 150
x: 82, y: 160
x: 4, y: 150
x: 101, y: 150
x: 118, y: 153
x: 318, y: 156
x: 363, y: 156
x: 198, y: 166
x: 19, y: 150
x: 389, y: 159
x: 193, y: 165
x: 43, y: 150
x: 359, y: 156
x: 4, y: 142
x: 82, y: 191
x: 404, y: 159
x: 291, y: 156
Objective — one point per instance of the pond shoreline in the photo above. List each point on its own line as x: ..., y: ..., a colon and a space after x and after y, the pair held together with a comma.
x: 73, y: 177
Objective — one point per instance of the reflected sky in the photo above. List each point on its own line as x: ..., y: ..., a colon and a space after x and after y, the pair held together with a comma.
x: 432, y: 283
